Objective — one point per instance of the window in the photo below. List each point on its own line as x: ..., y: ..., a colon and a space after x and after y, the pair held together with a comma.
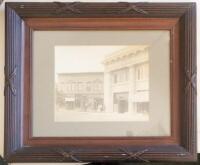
x: 142, y: 72
x: 120, y: 75
x: 142, y: 107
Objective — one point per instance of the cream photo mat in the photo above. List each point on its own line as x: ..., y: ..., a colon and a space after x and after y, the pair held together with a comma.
x: 44, y: 43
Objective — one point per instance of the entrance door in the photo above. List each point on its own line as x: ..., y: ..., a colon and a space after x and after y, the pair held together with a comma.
x: 121, y: 102
x: 123, y: 106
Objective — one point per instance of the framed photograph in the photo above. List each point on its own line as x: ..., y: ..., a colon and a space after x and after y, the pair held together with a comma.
x: 100, y: 82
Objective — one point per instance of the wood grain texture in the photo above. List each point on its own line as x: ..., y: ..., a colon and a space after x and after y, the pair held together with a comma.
x: 189, y: 69
x: 3, y: 162
x: 105, y: 10
x: 23, y: 18
x: 13, y: 94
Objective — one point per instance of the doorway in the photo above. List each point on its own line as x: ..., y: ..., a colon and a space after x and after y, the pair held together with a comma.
x: 121, y: 102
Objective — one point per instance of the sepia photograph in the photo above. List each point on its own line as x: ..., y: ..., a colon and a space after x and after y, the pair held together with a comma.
x: 102, y: 83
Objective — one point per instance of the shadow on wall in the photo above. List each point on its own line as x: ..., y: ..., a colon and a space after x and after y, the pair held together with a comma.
x: 1, y: 1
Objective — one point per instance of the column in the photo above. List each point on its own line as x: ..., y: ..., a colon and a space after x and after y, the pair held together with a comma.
x: 108, y: 98
x: 131, y: 89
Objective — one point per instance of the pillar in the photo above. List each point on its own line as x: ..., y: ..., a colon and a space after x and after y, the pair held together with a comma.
x: 108, y: 98
x: 131, y: 89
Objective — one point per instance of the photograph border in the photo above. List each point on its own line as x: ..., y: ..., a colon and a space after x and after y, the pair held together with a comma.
x: 23, y: 18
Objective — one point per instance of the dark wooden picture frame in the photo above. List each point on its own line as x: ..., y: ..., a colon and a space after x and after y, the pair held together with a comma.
x: 23, y: 18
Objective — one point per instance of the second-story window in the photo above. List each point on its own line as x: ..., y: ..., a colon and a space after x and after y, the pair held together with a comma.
x: 120, y: 76
x: 142, y: 72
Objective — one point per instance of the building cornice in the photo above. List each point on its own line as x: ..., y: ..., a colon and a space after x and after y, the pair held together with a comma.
x: 126, y: 52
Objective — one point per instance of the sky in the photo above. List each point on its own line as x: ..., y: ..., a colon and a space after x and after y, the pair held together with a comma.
x: 84, y: 58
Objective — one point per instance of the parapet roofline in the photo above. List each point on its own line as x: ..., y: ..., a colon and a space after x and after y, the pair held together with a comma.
x: 129, y: 50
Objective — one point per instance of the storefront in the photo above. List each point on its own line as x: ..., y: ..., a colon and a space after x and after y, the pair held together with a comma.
x: 81, y: 91
x: 126, y: 80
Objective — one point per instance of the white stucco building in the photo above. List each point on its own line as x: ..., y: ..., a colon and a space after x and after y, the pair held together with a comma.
x: 126, y: 80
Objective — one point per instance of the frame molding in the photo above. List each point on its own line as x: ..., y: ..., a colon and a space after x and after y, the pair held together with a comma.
x: 22, y: 18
